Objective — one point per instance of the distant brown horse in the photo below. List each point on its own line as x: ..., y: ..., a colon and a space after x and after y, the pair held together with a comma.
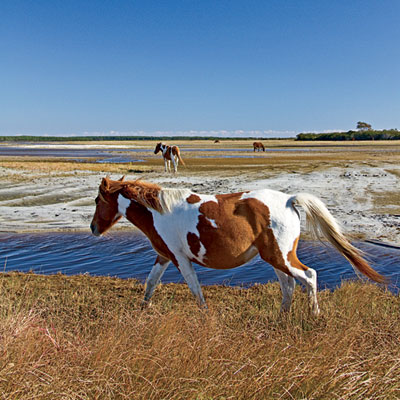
x: 170, y: 153
x: 258, y: 146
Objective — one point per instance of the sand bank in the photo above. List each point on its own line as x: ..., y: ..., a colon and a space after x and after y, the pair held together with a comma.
x: 365, y: 199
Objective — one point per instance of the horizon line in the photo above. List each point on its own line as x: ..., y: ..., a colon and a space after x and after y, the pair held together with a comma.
x: 199, y: 133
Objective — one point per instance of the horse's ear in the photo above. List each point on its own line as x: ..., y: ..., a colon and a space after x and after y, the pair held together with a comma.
x: 122, y: 178
x: 105, y: 184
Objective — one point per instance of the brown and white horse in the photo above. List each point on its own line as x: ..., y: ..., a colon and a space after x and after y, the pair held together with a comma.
x: 258, y: 146
x: 222, y: 231
x: 170, y: 153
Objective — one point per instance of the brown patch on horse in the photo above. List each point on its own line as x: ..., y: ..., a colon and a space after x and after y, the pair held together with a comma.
x: 194, y: 243
x: 243, y: 226
x: 292, y: 257
x: 266, y: 243
x: 168, y: 153
x: 193, y: 198
x: 176, y: 152
x: 232, y: 233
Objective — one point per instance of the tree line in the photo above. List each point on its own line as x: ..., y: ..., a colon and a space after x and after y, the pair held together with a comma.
x: 363, y: 134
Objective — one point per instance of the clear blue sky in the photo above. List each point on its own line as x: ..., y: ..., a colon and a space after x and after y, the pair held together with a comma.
x: 87, y: 67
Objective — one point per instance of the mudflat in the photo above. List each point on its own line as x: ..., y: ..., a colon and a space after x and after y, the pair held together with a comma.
x: 358, y: 181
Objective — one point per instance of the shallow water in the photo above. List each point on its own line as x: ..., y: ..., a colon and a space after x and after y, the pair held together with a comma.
x: 120, y: 155
x: 129, y: 255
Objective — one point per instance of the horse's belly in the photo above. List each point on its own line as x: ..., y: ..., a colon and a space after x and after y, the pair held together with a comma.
x: 225, y: 259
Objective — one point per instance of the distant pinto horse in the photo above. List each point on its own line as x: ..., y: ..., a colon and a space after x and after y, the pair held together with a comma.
x: 169, y: 153
x: 258, y: 146
x: 223, y: 231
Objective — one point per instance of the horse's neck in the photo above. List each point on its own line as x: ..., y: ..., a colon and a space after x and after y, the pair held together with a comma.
x: 141, y: 217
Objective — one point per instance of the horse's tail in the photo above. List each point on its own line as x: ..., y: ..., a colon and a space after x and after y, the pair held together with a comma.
x: 322, y: 221
x: 178, y: 154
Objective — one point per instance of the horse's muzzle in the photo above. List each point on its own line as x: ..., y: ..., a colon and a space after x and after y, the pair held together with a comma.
x: 94, y: 230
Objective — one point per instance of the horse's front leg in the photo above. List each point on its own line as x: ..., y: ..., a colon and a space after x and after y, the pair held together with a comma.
x: 154, y: 278
x: 188, y: 272
x: 166, y: 164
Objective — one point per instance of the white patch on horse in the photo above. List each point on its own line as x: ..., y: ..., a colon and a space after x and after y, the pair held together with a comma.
x: 284, y: 220
x: 182, y: 219
x: 123, y: 204
x: 163, y: 149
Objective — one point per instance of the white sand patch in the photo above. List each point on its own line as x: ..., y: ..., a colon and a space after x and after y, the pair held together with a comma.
x: 66, y: 203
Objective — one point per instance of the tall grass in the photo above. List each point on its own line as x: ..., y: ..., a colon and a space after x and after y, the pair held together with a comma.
x: 83, y: 337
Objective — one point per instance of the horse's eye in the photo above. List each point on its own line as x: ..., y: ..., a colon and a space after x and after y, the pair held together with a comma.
x: 96, y: 200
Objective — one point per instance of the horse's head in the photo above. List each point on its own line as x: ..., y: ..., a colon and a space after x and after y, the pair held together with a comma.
x: 158, y: 148
x: 106, y: 214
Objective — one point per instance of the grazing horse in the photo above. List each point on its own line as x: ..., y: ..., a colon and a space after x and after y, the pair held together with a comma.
x: 170, y: 153
x: 258, y: 146
x: 223, y: 231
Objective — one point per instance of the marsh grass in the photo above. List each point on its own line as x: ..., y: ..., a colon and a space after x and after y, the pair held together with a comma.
x: 83, y: 337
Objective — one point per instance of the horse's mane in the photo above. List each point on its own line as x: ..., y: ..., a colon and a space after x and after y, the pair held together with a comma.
x: 149, y: 195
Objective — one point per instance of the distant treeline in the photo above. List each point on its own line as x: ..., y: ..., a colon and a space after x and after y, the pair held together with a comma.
x: 390, y: 134
x: 119, y: 138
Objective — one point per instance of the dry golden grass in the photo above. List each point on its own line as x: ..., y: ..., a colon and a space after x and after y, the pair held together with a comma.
x: 82, y: 337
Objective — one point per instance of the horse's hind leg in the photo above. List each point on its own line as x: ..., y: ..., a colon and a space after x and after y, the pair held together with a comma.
x: 309, y: 278
x: 175, y: 163
x: 287, y: 284
x: 304, y: 274
x: 288, y: 263
x: 154, y: 277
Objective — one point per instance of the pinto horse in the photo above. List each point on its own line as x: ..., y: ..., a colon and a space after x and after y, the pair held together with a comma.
x: 169, y: 153
x: 258, y: 146
x: 223, y: 231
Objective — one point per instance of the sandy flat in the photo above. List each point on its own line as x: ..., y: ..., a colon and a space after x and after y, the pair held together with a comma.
x: 363, y: 196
